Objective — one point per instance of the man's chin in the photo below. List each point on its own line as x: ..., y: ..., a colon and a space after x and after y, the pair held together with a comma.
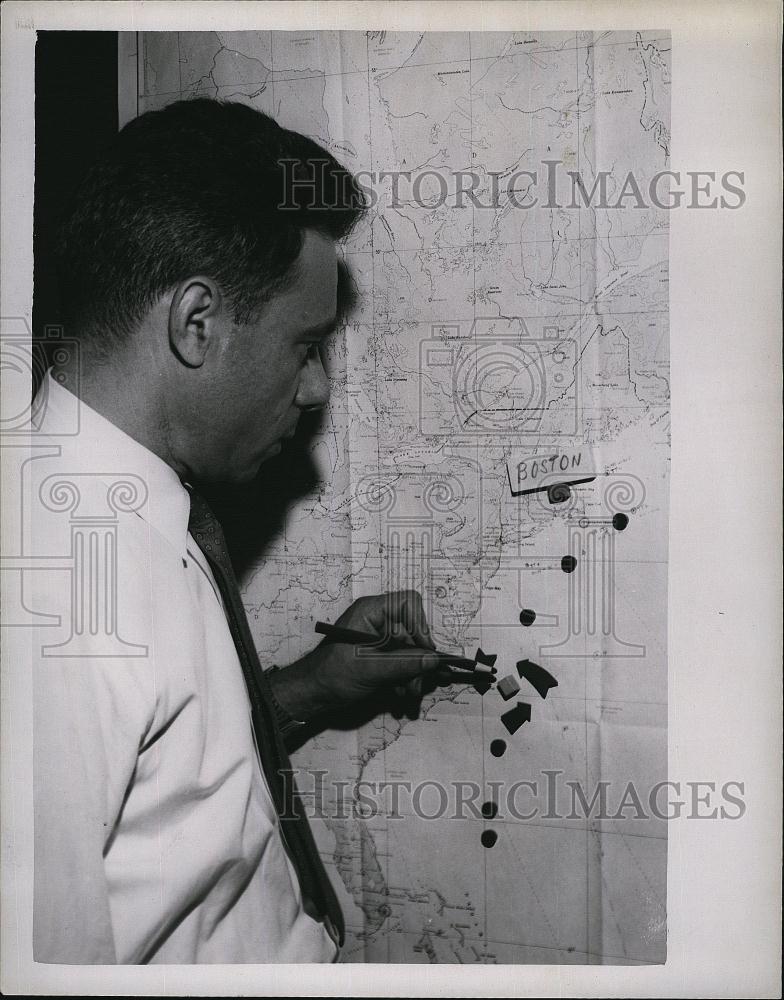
x: 240, y: 474
x: 273, y: 450
x: 252, y: 469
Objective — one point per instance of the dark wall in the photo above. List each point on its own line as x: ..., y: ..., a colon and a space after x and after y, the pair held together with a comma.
x: 75, y: 115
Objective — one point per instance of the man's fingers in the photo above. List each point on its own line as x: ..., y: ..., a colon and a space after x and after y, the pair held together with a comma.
x: 407, y: 665
x: 414, y: 687
x: 400, y: 634
x: 395, y: 666
x: 411, y: 689
x: 398, y: 614
x: 371, y: 614
x: 404, y: 607
x: 412, y: 613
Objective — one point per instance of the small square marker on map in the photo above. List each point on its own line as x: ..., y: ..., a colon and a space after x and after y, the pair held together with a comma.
x: 507, y: 687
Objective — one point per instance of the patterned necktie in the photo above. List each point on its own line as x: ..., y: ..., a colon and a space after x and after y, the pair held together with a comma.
x: 318, y: 895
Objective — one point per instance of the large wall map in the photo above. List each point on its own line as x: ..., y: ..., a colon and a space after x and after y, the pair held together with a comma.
x: 496, y: 346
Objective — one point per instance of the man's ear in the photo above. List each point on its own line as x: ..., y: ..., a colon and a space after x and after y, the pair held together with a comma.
x: 194, y: 319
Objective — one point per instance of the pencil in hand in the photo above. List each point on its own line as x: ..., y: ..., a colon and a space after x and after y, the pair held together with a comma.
x: 339, y: 634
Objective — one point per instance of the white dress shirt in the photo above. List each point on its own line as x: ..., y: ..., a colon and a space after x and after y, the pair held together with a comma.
x: 156, y: 839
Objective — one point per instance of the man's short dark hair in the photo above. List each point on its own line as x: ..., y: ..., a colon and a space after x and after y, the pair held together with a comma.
x: 199, y: 187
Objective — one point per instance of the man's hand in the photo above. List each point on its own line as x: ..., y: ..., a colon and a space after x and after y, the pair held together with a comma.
x: 336, y: 674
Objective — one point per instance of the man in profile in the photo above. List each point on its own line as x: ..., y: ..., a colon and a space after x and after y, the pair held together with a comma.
x: 166, y: 826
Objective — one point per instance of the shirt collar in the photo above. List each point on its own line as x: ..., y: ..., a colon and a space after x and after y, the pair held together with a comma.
x: 101, y: 448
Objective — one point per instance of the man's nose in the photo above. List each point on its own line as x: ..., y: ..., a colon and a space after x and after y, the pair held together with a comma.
x: 313, y: 390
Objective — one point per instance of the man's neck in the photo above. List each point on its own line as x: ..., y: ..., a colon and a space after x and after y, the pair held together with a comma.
x: 127, y: 395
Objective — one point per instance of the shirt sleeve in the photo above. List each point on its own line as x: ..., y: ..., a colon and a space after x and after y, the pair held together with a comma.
x: 90, y: 717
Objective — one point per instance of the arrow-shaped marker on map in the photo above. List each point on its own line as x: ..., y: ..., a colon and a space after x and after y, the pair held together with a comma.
x: 517, y: 716
x: 537, y: 676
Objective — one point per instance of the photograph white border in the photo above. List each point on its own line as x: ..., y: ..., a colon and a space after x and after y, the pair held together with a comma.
x: 724, y: 681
